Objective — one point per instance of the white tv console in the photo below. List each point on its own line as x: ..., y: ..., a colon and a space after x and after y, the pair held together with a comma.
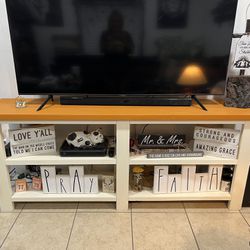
x: 124, y: 121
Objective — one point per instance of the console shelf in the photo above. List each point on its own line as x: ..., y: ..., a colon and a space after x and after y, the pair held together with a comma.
x: 135, y: 160
x: 205, y: 196
x: 124, y: 123
x: 36, y: 196
x: 58, y: 160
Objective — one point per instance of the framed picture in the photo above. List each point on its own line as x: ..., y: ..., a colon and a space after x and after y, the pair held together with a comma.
x: 172, y: 13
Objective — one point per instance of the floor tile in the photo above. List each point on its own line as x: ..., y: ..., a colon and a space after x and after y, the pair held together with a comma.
x: 96, y: 207
x: 206, y: 206
x: 50, y: 207
x: 6, y: 222
x: 94, y: 231
x: 220, y: 230
x: 157, y: 207
x: 246, y: 217
x: 161, y: 231
x: 40, y: 231
x: 245, y: 210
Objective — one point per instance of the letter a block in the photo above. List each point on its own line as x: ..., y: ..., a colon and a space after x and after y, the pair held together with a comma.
x: 48, y: 174
x: 174, y: 183
x: 76, y: 179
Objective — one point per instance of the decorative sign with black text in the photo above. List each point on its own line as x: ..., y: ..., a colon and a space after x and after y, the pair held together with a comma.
x: 228, y: 136
x: 242, y: 55
x: 32, y: 141
x: 216, y: 149
x: 160, y: 141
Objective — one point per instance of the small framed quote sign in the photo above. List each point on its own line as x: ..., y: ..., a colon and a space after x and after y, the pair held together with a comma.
x: 32, y: 141
x: 242, y: 55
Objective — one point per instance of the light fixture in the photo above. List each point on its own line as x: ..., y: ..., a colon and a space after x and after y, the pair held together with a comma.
x: 191, y: 76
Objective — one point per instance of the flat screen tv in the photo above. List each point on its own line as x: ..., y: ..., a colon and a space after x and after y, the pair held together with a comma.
x: 121, y: 47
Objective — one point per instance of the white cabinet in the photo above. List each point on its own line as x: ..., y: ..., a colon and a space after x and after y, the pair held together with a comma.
x: 122, y: 163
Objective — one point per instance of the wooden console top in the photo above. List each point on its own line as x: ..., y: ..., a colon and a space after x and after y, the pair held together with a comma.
x: 56, y: 112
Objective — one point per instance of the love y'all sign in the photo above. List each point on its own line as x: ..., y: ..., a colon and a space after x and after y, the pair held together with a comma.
x: 32, y: 141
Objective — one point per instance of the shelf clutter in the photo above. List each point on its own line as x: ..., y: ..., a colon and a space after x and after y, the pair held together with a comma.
x: 181, y: 178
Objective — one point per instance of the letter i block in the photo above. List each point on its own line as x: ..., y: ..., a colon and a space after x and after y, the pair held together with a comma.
x: 48, y: 174
x: 91, y: 184
x: 188, y: 178
x: 160, y: 179
x: 76, y: 179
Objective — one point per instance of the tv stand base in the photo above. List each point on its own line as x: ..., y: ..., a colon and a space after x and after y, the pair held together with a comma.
x: 50, y: 97
x: 127, y: 101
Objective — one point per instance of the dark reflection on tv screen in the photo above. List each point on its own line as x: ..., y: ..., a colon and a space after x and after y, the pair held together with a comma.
x: 121, y: 46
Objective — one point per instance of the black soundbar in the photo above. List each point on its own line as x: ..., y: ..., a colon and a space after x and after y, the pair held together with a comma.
x: 127, y: 100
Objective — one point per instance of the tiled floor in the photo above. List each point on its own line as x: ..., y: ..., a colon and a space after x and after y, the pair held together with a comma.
x: 146, y: 226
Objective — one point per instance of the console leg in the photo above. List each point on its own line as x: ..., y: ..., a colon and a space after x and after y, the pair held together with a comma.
x: 50, y: 97
x: 198, y: 101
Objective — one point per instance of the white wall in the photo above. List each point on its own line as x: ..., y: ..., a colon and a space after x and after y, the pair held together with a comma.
x: 8, y: 86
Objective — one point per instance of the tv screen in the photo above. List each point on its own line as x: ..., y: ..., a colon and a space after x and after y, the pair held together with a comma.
x: 121, y: 47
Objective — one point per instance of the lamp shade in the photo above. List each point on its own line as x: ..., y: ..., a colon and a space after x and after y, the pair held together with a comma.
x: 192, y: 75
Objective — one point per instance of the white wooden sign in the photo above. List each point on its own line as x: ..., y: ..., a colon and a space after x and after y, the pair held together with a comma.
x: 201, y: 182
x: 32, y: 141
x: 91, y: 184
x: 48, y: 174
x: 63, y: 184
x: 242, y: 54
x: 228, y: 136
x: 76, y: 179
x: 188, y: 178
x: 214, y: 178
x: 174, y: 183
x: 216, y: 149
x: 108, y: 184
x: 160, y: 179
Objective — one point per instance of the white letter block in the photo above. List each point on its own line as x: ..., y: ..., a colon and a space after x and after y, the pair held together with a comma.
x: 48, y: 174
x: 63, y: 184
x: 174, y: 183
x: 188, y: 178
x: 76, y: 179
x: 160, y: 179
x: 215, y: 172
x: 201, y: 180
x: 91, y: 184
